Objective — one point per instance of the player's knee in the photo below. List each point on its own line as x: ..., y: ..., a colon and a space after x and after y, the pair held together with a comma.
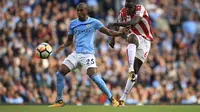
x: 132, y: 39
x: 64, y: 69
x: 91, y: 71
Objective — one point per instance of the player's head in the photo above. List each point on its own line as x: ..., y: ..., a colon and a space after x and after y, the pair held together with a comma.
x: 130, y: 6
x: 82, y: 11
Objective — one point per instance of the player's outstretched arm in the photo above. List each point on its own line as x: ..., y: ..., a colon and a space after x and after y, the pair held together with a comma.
x: 133, y: 22
x: 67, y: 44
x: 110, y: 32
x: 112, y: 39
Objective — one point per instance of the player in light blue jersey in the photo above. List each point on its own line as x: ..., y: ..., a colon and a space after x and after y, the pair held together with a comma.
x: 83, y: 30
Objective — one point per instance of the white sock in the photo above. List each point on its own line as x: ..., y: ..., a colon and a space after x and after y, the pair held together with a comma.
x: 129, y: 85
x: 131, y: 51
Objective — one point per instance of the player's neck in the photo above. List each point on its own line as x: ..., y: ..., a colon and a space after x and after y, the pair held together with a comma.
x: 84, y: 19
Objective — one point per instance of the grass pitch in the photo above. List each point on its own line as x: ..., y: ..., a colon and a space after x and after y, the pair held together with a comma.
x: 100, y: 108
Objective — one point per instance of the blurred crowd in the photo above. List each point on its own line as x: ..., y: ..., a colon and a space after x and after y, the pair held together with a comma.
x: 171, y: 74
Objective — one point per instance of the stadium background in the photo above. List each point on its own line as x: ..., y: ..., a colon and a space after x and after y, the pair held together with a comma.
x: 171, y: 74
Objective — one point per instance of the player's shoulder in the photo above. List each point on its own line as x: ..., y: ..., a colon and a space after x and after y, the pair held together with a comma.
x: 139, y: 7
x: 74, y: 20
x: 123, y: 10
x: 93, y: 19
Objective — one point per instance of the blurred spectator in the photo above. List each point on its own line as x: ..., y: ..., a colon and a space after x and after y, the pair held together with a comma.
x: 190, y: 26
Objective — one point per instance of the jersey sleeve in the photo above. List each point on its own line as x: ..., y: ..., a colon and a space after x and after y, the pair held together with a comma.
x: 119, y: 19
x: 98, y: 24
x: 140, y: 10
x: 70, y: 30
x: 120, y: 16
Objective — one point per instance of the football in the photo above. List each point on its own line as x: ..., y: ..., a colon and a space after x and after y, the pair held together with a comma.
x: 43, y: 50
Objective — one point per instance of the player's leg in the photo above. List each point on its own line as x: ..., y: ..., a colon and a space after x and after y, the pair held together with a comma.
x: 133, y: 43
x: 91, y: 72
x: 131, y: 80
x: 141, y: 53
x: 68, y: 64
x: 102, y: 85
x: 140, y: 56
x: 60, y: 79
x: 138, y: 63
x: 131, y: 53
x: 60, y: 83
x: 89, y: 63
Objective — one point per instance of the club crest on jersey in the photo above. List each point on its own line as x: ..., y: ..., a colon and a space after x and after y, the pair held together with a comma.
x: 87, y: 25
x: 138, y: 7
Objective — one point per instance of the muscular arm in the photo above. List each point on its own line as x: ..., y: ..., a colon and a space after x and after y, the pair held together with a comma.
x: 110, y: 32
x: 112, y: 39
x: 124, y: 24
x: 69, y: 41
x: 67, y: 44
x: 128, y: 23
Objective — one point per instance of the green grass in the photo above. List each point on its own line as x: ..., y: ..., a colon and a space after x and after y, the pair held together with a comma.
x: 100, y: 108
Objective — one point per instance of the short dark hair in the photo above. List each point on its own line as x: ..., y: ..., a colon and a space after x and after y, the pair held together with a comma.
x: 129, y: 0
x: 133, y: 1
x: 83, y: 4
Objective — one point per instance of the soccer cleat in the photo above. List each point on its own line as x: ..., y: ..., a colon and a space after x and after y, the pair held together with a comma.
x: 114, y: 102
x: 121, y: 103
x: 58, y: 103
x: 132, y: 76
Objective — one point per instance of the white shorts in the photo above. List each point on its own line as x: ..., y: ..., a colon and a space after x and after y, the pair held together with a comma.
x: 143, y: 48
x: 86, y: 60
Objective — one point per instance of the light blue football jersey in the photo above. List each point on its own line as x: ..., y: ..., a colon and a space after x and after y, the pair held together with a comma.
x: 84, y: 34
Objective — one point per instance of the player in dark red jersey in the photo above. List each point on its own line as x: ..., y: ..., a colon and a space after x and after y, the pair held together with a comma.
x: 135, y: 18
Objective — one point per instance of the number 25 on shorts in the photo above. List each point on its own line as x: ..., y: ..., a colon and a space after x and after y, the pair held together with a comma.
x: 90, y: 61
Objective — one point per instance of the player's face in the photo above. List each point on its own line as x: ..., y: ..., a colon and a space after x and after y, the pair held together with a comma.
x: 81, y: 12
x: 129, y: 7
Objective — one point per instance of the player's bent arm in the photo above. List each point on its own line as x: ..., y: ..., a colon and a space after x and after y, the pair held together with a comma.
x: 112, y: 39
x: 133, y: 22
x: 67, y: 44
x: 69, y: 41
x: 110, y: 32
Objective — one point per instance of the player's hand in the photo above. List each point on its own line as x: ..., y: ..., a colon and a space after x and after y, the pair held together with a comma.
x: 60, y: 49
x: 126, y: 30
x: 112, y: 42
